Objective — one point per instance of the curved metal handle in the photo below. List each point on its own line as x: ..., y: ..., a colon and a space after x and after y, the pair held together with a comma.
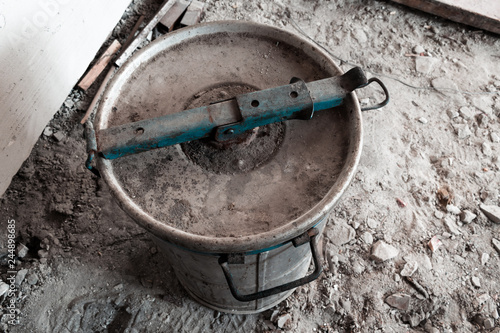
x: 386, y: 92
x: 310, y: 237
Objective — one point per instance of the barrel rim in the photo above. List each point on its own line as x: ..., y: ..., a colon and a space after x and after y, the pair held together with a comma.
x: 258, y: 241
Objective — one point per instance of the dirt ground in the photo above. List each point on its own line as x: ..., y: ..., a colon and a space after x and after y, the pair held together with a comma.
x: 430, y: 159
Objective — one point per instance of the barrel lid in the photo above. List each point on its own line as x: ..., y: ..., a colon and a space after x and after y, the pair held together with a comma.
x: 271, y: 187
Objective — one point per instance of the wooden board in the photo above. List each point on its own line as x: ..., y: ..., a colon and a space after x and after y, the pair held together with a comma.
x: 482, y: 14
x: 99, y: 66
x: 46, y: 46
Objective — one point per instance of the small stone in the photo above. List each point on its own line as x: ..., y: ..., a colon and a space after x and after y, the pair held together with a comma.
x: 491, y: 212
x: 153, y: 250
x: 434, y: 243
x: 69, y: 104
x: 418, y: 49
x: 496, y: 244
x: 118, y: 287
x: 284, y: 320
x: 59, y: 136
x: 486, y: 148
x: 20, y: 276
x: 399, y: 301
x: 483, y: 103
x: 357, y: 267
x: 494, y: 137
x: 466, y: 112
x: 484, y: 258
x: 360, y: 36
x: 453, y: 209
x: 425, y: 65
x: 483, y: 298
x: 476, y: 282
x: 381, y: 251
x: 367, y: 238
x: 22, y: 250
x: 452, y: 226
x: 372, y: 223
x: 409, y: 268
x: 43, y: 253
x: 462, y: 131
x: 452, y: 114
x: 32, y: 279
x: 48, y: 131
x: 438, y: 214
x: 4, y: 287
x: 489, y: 323
x: 459, y: 260
x: 341, y: 234
x: 364, y: 101
x: 423, y: 120
x: 467, y: 216
x: 346, y: 304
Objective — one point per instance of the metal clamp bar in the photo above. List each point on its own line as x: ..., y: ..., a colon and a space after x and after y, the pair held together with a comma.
x: 386, y: 92
x: 311, y: 235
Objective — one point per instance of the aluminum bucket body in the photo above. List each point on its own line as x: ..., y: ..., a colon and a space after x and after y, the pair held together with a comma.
x: 202, y: 205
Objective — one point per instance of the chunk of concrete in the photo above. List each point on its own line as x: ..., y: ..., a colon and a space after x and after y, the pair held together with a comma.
x: 491, y: 212
x: 381, y: 251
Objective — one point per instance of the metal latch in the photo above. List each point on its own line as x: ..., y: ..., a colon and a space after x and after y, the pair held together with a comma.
x: 227, y: 119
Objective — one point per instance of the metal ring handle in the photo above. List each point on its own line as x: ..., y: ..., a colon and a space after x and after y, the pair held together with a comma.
x: 312, y: 233
x: 386, y: 92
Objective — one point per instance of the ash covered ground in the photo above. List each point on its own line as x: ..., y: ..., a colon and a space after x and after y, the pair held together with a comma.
x: 430, y: 162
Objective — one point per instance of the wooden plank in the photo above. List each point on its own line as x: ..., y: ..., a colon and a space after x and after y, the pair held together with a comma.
x: 482, y: 14
x: 193, y: 13
x: 173, y: 15
x: 99, y: 66
x: 165, y: 7
x: 46, y: 47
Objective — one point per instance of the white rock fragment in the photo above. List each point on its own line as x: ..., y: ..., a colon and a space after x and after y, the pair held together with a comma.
x: 494, y: 137
x: 452, y: 226
x: 381, y: 251
x: 453, y: 209
x: 466, y: 112
x: 452, y: 114
x: 462, y: 131
x: 484, y: 258
x: 284, y: 320
x: 341, y: 234
x: 4, y: 287
x: 423, y: 120
x: 486, y: 149
x: 434, y: 243
x: 367, y: 238
x: 48, y: 131
x: 22, y: 250
x: 476, y: 282
x: 372, y: 223
x: 438, y: 214
x: 467, y: 216
x: 491, y: 212
x: 418, y: 49
x: 409, y: 268
x: 425, y: 65
x: 483, y: 103
x: 489, y: 323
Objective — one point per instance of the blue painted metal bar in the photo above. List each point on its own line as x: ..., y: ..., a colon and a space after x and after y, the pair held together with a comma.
x: 228, y: 119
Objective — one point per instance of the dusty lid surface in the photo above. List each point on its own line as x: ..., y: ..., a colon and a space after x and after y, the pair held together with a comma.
x: 270, y: 187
